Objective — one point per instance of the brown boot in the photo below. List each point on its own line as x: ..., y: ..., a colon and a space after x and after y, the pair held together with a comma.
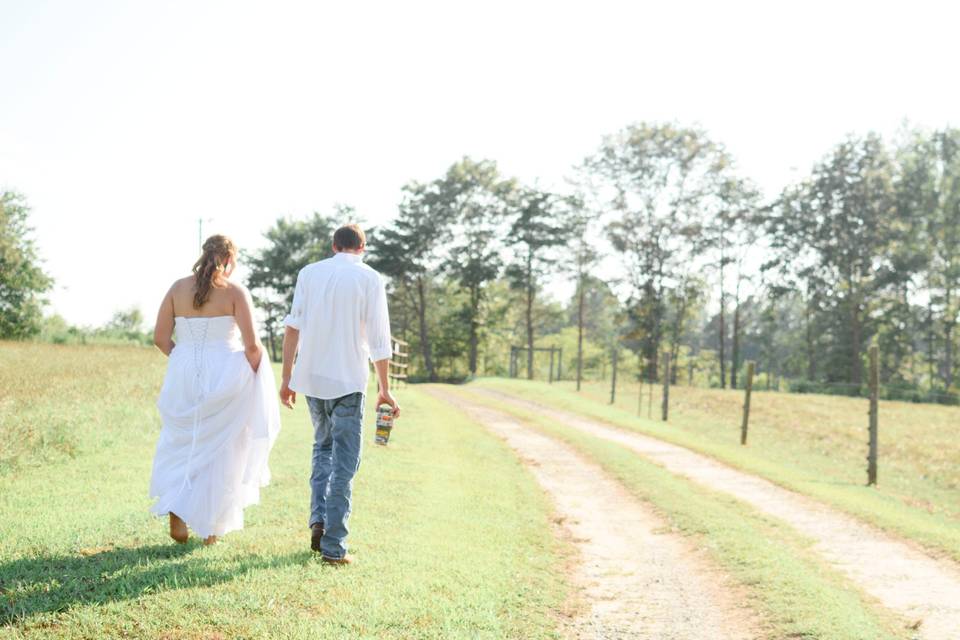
x: 316, y: 533
x: 178, y: 529
x: 347, y: 559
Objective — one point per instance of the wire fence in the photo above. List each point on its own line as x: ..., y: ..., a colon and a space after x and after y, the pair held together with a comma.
x: 622, y: 367
x: 655, y: 378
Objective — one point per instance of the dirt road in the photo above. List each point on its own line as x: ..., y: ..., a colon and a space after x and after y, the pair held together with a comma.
x: 922, y: 589
x: 634, y: 578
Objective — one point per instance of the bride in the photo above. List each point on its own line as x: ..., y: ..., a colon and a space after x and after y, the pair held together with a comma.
x: 218, y: 403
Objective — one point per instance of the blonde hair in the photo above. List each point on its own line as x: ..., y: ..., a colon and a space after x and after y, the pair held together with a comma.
x: 218, y: 251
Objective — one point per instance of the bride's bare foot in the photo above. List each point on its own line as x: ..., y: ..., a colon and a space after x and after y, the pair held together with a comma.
x: 178, y: 529
x: 209, y: 540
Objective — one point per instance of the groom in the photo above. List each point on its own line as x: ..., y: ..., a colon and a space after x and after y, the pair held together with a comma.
x: 339, y: 320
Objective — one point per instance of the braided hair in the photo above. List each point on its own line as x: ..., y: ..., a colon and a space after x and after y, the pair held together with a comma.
x: 218, y: 251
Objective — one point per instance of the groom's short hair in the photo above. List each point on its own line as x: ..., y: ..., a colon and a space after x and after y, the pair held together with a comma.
x: 349, y: 237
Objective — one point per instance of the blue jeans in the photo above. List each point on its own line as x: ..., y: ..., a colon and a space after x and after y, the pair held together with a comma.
x: 336, y: 458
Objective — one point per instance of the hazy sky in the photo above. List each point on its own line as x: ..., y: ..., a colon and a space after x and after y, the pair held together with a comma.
x: 125, y: 122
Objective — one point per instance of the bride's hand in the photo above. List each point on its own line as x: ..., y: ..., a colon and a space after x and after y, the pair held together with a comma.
x: 254, y: 355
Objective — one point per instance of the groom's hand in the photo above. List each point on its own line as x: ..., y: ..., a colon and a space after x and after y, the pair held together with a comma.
x: 385, y: 397
x: 287, y: 396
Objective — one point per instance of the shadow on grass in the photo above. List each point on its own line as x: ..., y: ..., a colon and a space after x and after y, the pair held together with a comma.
x: 47, y: 584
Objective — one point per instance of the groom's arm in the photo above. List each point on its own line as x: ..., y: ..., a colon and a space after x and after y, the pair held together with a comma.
x: 380, y: 342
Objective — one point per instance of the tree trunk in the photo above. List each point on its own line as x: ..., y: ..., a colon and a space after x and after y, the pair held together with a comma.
x: 856, y: 337
x: 474, y: 328
x: 723, y: 325
x: 949, y: 321
x: 678, y: 328
x: 735, y: 355
x: 657, y: 329
x: 424, y: 336
x: 272, y: 341
x: 580, y: 333
x: 811, y: 346
x: 530, y: 293
x: 931, y: 350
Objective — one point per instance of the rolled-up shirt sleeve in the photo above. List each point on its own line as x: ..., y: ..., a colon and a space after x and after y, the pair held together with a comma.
x: 295, y: 317
x: 378, y: 323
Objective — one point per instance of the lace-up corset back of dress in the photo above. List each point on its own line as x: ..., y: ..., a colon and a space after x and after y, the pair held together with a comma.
x: 205, y: 333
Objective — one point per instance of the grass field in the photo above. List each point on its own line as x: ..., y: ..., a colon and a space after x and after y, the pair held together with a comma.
x: 796, y: 592
x: 812, y: 444
x: 451, y: 534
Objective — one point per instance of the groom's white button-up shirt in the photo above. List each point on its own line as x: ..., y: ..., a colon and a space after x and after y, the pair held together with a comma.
x: 340, y: 309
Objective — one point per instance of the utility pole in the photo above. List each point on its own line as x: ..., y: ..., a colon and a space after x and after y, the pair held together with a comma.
x: 200, y: 222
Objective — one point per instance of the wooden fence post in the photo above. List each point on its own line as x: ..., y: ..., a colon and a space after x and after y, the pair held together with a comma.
x: 874, y: 418
x: 751, y: 367
x: 613, y: 384
x: 666, y: 384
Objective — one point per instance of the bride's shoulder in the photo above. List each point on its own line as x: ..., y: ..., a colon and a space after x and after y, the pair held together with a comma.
x: 182, y: 284
x: 237, y: 289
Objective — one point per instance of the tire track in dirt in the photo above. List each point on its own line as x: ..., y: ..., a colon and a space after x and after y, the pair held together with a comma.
x: 634, y: 578
x: 923, y: 590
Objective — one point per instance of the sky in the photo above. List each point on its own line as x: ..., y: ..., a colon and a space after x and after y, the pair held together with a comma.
x: 125, y: 123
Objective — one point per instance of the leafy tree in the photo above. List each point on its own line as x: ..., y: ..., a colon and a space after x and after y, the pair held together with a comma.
x: 683, y: 306
x: 409, y: 253
x: 476, y: 197
x: 581, y: 225
x: 22, y: 280
x: 535, y: 231
x: 661, y: 181
x: 835, y: 231
x: 125, y: 321
x: 928, y: 193
x: 731, y: 235
x: 291, y: 245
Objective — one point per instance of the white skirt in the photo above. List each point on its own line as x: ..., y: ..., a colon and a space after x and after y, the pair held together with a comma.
x: 218, y: 429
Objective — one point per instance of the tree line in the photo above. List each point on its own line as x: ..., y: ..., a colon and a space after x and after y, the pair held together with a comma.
x: 667, y: 247
x: 670, y: 248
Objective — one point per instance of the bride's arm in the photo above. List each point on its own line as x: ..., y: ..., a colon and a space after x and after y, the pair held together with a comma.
x: 243, y: 311
x: 163, y: 329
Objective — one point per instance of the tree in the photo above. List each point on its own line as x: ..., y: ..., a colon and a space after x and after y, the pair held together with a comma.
x: 835, y: 231
x: 291, y: 245
x: 535, y: 231
x: 585, y: 257
x: 22, y: 280
x: 928, y: 195
x: 661, y: 181
x: 683, y: 306
x: 408, y: 252
x: 476, y: 197
x: 127, y: 321
x: 731, y: 235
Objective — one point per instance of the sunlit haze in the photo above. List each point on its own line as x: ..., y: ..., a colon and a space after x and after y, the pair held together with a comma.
x: 124, y: 123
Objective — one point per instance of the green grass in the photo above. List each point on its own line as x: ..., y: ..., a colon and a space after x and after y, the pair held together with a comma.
x: 451, y: 534
x: 797, y: 593
x: 57, y: 402
x: 811, y: 444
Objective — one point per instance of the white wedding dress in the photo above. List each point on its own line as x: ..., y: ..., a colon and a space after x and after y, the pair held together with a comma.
x: 220, y: 420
